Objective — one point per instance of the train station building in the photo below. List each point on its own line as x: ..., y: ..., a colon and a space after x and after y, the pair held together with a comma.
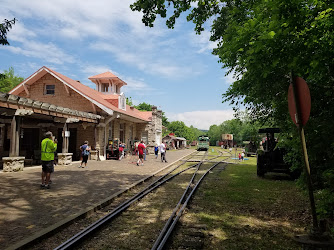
x: 74, y: 113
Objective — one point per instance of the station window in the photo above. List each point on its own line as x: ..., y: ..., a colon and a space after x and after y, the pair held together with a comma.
x: 104, y: 88
x: 122, y: 131
x: 122, y: 101
x: 49, y: 89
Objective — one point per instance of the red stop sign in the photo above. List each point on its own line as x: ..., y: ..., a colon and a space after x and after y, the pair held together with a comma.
x: 303, y: 99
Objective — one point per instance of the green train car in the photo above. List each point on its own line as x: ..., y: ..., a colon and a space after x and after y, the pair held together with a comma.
x: 203, y: 143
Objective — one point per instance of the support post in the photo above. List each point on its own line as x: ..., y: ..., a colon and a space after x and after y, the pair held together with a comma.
x: 65, y: 140
x: 15, y: 136
x: 306, y: 162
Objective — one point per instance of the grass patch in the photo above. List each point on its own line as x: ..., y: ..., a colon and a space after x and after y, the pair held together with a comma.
x: 242, y: 211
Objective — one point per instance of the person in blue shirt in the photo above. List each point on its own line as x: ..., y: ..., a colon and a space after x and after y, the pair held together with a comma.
x: 85, y: 150
x: 156, y: 151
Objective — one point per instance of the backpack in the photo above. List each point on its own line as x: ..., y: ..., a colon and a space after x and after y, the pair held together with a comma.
x: 85, y: 151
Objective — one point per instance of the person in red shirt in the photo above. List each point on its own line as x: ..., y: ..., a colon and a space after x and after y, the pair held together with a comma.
x: 141, y: 148
x: 121, y: 151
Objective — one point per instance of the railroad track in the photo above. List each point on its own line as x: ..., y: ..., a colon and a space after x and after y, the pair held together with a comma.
x: 197, y: 165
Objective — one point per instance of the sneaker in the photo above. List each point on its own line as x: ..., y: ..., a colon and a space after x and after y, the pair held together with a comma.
x: 137, y: 164
x: 142, y: 164
x: 79, y: 166
x: 42, y: 185
x: 47, y: 186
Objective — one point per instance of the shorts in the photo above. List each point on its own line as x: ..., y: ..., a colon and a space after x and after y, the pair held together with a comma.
x: 141, y: 156
x: 47, y: 166
x: 84, y: 158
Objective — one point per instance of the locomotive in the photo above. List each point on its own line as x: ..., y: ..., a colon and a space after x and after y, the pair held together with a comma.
x: 270, y: 159
x: 203, y: 143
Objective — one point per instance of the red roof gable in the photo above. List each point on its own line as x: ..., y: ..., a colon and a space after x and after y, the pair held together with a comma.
x: 103, y: 75
x: 92, y: 95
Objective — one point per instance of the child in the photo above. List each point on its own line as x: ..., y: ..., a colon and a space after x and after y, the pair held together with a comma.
x: 156, y: 151
x: 239, y: 156
x: 121, y: 151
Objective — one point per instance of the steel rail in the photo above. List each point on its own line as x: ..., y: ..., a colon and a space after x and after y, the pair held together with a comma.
x: 168, y: 229
x: 163, y: 231
x: 94, y: 226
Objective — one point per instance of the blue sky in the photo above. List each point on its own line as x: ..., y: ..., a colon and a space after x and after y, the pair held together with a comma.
x: 170, y: 68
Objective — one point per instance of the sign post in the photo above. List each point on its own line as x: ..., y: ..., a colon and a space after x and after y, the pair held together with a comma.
x: 299, y: 107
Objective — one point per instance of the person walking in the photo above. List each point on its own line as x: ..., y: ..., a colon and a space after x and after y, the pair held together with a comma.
x: 162, y: 147
x: 144, y: 151
x: 242, y: 156
x: 48, y: 147
x: 141, y: 148
x: 156, y: 150
x: 85, y: 151
x: 121, y: 151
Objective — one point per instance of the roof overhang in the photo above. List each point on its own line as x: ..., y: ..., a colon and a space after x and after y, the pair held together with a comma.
x: 10, y: 104
x: 42, y: 71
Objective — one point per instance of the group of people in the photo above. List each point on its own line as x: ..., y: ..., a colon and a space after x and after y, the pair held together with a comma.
x: 162, y: 147
x: 241, y: 156
x: 49, y: 148
x: 141, y: 148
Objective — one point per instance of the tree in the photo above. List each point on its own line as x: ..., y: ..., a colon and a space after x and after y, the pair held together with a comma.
x: 262, y: 43
x: 10, y: 80
x: 4, y: 28
x: 129, y: 101
x: 214, y: 133
x: 181, y: 130
x: 148, y: 107
x: 144, y: 106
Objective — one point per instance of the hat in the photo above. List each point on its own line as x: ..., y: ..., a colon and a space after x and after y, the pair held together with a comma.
x: 48, y: 134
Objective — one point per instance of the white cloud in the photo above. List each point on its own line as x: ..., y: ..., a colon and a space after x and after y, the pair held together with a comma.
x: 113, y: 27
x: 134, y: 85
x: 47, y: 52
x: 202, y: 41
x: 78, y: 19
x: 144, y: 59
x: 229, y: 79
x: 92, y: 70
x: 20, y: 33
x: 202, y: 119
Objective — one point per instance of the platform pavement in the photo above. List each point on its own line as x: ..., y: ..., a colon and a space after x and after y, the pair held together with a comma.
x: 26, y: 209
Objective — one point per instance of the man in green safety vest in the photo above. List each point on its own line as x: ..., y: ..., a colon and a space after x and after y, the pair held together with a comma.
x: 48, y: 147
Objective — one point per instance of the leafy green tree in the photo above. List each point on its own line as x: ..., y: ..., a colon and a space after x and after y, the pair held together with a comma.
x: 165, y: 121
x: 196, y: 133
x: 4, y: 28
x: 148, y: 107
x: 181, y: 130
x: 214, y: 134
x: 178, y: 128
x: 10, y: 80
x: 144, y: 106
x: 129, y: 101
x: 262, y: 43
